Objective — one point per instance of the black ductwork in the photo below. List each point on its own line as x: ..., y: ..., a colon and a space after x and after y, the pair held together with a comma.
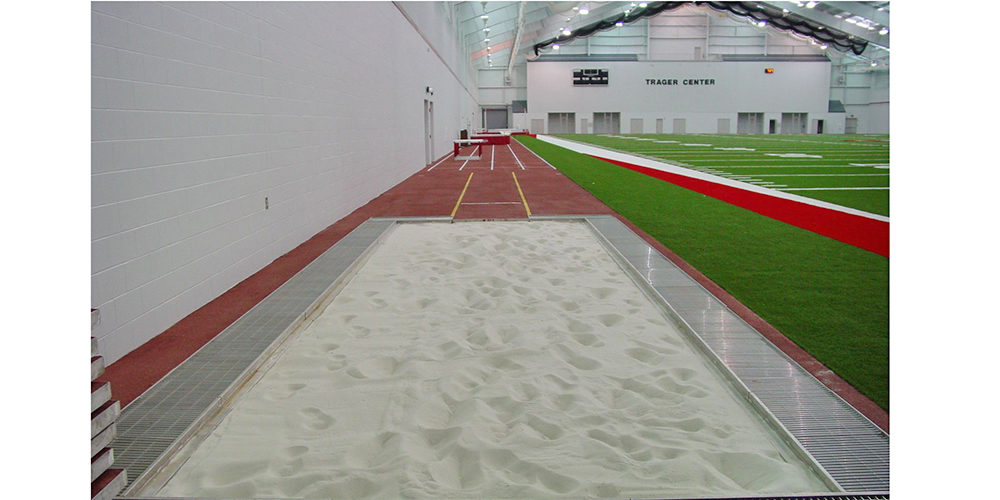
x: 750, y: 10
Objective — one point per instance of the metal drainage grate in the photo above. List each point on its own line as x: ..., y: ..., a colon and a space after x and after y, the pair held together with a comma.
x: 160, y: 416
x: 852, y: 449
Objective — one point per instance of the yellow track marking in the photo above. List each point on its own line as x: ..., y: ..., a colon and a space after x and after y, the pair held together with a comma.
x: 459, y: 202
x: 526, y: 209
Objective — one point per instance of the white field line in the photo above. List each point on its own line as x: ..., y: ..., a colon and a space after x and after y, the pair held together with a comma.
x: 821, y: 175
x: 838, y: 189
x: 599, y: 152
x: 798, y: 141
x: 515, y: 157
x: 792, y: 166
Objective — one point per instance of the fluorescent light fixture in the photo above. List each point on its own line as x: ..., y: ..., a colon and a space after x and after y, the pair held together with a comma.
x: 874, y: 64
x: 555, y: 46
x: 761, y: 24
x: 811, y: 5
x: 487, y: 40
x: 484, y: 17
x: 585, y: 11
x: 643, y: 5
x: 883, y: 31
x: 619, y: 23
x: 567, y: 32
x: 486, y: 30
x: 823, y: 46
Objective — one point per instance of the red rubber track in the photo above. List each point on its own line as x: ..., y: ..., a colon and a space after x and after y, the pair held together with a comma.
x: 434, y: 191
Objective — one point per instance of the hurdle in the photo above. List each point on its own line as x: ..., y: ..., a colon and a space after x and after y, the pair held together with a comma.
x: 477, y: 154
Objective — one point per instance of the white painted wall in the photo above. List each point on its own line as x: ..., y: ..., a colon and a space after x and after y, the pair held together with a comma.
x: 200, y: 111
x: 800, y: 87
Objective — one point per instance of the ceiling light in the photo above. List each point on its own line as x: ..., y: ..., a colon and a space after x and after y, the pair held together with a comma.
x: 576, y: 8
x: 761, y: 24
x: 784, y: 11
x: 585, y: 11
x: 811, y: 5
x: 643, y: 5
x: 484, y: 17
x: 555, y: 46
x: 487, y: 40
x: 874, y: 64
x: 486, y: 30
x: 883, y: 31
x: 567, y: 32
x: 620, y: 23
x: 823, y: 46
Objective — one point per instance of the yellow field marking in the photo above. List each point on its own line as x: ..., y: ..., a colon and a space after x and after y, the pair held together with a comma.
x: 459, y: 202
x: 526, y: 209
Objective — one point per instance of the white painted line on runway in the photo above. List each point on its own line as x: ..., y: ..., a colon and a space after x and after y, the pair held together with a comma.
x: 438, y: 163
x: 515, y: 157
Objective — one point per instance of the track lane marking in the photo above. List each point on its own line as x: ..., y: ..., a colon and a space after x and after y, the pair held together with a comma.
x: 526, y: 209
x: 459, y: 202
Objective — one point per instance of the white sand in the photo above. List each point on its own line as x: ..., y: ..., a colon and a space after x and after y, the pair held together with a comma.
x: 490, y: 360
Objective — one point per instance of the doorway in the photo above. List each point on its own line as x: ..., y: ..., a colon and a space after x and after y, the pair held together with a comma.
x: 428, y: 131
x: 680, y: 125
x: 607, y: 123
x: 495, y: 119
x: 562, y: 123
x: 635, y: 126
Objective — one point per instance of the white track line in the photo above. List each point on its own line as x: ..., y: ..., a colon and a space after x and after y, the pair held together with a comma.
x: 463, y: 165
x: 493, y: 149
x: 438, y: 163
x: 515, y: 157
x: 540, y: 158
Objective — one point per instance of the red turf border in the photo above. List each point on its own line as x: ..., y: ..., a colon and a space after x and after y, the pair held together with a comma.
x: 862, y: 232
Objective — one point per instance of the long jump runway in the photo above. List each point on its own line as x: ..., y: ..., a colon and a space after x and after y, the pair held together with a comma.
x: 511, y: 182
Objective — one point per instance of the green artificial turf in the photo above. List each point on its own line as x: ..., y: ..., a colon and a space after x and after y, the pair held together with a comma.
x: 830, y: 298
x: 754, y: 155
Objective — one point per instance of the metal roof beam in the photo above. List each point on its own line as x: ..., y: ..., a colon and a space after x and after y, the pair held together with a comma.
x: 818, y: 15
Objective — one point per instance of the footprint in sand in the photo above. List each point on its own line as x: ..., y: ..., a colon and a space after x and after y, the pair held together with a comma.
x: 610, y: 320
x: 316, y: 419
x: 374, y: 368
x: 578, y: 361
x: 587, y: 339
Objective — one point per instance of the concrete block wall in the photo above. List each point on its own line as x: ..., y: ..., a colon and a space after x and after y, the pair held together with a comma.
x: 225, y: 134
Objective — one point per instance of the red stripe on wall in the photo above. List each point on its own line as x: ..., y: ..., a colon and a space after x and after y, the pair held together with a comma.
x: 862, y: 232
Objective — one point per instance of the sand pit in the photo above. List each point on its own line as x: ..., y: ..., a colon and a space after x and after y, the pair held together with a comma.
x: 490, y: 360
